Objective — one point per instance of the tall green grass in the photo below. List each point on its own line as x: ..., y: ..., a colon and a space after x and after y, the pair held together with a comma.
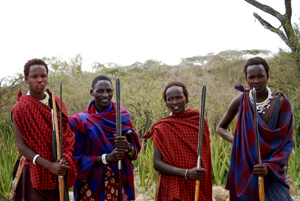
x: 220, y: 159
x: 147, y: 174
x: 9, y: 155
x: 293, y: 167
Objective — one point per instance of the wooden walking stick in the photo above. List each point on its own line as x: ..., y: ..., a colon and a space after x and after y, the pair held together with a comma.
x: 119, y: 133
x: 201, y: 122
x: 58, y: 147
x: 261, y: 187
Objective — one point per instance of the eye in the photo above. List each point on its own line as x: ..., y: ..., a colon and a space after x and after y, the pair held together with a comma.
x: 109, y: 90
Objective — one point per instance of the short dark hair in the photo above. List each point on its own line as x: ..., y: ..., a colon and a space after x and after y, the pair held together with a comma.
x: 34, y: 62
x: 256, y: 61
x: 98, y: 78
x: 176, y: 83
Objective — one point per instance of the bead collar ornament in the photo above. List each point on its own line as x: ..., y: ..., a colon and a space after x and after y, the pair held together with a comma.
x: 45, y: 100
x: 260, y: 107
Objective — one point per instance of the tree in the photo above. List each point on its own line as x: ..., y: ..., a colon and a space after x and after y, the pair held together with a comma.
x: 285, y: 31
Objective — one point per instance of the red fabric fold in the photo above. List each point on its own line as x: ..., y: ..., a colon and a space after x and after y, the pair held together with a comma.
x: 176, y: 137
x: 34, y: 121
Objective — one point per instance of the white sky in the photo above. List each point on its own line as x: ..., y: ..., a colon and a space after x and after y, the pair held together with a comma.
x: 124, y: 32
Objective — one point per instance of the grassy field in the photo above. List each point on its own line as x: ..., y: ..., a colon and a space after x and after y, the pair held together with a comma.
x: 142, y: 86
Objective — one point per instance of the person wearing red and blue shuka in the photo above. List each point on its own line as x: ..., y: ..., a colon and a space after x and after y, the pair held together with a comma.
x: 275, y: 137
x: 98, y: 149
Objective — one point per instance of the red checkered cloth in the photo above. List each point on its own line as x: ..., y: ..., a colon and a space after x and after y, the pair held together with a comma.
x: 34, y: 121
x: 176, y: 137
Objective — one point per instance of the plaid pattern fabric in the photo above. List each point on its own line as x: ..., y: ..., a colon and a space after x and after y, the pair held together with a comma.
x: 275, y: 147
x: 176, y: 137
x: 34, y: 121
x: 94, y: 134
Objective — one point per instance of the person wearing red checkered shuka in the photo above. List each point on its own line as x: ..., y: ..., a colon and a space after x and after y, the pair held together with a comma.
x: 36, y: 170
x: 175, y: 139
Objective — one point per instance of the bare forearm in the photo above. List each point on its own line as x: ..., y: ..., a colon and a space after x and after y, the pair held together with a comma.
x: 167, y: 169
x: 224, y: 133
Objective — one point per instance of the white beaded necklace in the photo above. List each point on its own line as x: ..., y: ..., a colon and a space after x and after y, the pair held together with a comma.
x: 260, y: 107
x: 45, y: 100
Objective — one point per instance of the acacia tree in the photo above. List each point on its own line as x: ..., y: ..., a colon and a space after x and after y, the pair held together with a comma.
x: 285, y: 31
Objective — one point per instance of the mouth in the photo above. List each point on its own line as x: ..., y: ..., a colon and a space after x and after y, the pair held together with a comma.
x: 257, y: 87
x: 40, y: 86
x: 176, y: 107
x: 104, y: 101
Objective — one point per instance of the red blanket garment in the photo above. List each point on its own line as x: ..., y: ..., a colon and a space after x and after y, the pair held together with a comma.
x: 34, y: 121
x: 176, y: 137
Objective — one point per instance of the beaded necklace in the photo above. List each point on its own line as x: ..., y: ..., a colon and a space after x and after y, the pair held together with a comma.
x: 260, y: 107
x: 45, y: 100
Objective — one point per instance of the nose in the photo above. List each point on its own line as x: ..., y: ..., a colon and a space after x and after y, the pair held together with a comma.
x: 105, y: 94
x: 256, y: 80
x: 175, y: 101
x: 39, y: 79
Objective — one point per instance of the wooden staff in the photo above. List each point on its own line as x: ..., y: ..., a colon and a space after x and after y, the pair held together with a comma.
x: 119, y: 133
x: 58, y: 147
x: 201, y: 122
x: 261, y: 187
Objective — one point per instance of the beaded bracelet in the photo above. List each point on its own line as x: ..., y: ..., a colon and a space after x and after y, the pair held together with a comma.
x: 132, y: 150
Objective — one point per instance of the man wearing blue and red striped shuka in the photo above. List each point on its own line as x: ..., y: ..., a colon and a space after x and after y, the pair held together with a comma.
x: 98, y: 149
x: 275, y: 138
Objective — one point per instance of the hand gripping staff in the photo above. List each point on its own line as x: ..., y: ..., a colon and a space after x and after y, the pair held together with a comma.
x: 119, y: 133
x: 201, y: 122
x: 261, y: 188
x: 58, y: 139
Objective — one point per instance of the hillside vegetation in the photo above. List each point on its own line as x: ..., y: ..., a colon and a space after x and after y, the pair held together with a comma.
x: 142, y: 86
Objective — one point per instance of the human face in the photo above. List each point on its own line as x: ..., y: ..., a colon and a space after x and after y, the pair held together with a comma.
x: 37, y: 80
x: 103, y: 93
x: 257, y: 77
x: 175, y: 99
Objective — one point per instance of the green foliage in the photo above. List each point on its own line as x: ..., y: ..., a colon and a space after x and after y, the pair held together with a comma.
x: 293, y: 167
x: 9, y: 155
x: 144, y: 163
x: 220, y: 159
x: 142, y: 87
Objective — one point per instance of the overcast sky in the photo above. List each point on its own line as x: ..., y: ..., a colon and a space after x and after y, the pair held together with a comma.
x: 124, y: 32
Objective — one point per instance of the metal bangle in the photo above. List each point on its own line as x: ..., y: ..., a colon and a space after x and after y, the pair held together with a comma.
x: 104, y: 159
x: 34, y: 159
x: 186, y: 172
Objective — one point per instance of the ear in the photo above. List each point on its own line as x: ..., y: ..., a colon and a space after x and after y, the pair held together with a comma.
x: 91, y: 92
x: 26, y: 79
x: 267, y: 75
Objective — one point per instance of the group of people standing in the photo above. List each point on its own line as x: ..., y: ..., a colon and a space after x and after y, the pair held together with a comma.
x: 91, y: 149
